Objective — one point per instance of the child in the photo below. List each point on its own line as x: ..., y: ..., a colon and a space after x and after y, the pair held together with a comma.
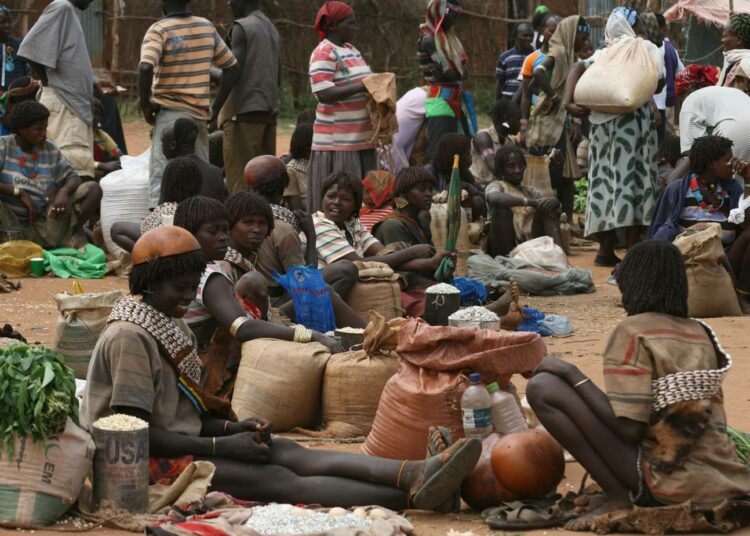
x: 647, y: 439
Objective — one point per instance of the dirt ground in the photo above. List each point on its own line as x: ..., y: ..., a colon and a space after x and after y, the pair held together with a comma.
x: 32, y: 311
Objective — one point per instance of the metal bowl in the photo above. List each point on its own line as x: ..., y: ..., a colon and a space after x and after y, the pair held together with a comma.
x: 349, y: 339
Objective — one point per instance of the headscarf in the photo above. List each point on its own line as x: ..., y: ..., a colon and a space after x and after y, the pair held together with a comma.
x: 562, y: 48
x: 331, y: 13
x: 450, y: 50
x: 378, y: 190
x: 740, y: 23
x: 695, y: 77
x: 618, y: 26
x: 651, y: 27
x: 541, y: 9
x: 630, y: 14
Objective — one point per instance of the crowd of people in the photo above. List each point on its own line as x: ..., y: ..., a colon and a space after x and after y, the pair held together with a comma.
x: 222, y: 228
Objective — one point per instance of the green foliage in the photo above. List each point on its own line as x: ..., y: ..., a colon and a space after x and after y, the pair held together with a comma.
x: 38, y: 394
x: 741, y: 441
x: 582, y: 192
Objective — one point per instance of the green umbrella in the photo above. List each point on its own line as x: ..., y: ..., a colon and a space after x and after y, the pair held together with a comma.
x: 447, y: 267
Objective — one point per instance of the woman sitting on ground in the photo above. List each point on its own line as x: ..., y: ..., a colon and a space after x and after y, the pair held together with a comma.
x: 409, y: 224
x: 442, y: 167
x: 182, y: 179
x: 506, y: 122
x: 145, y: 361
x: 39, y: 190
x: 339, y: 235
x: 646, y: 440
x: 518, y: 213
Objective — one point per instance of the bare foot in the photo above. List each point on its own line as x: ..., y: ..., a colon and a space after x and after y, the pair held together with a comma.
x: 585, y: 523
x: 589, y: 502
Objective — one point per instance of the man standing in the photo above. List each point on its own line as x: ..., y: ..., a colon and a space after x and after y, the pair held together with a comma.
x: 510, y: 62
x: 174, y: 78
x: 248, y: 118
x: 56, y: 48
x: 673, y: 65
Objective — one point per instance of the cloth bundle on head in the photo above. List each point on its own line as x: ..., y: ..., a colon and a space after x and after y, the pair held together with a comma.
x: 330, y: 14
x: 618, y: 27
x: 450, y: 50
x: 695, y: 77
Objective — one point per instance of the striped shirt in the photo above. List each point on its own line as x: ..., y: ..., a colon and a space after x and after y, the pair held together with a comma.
x: 652, y: 345
x: 44, y: 172
x: 508, y: 68
x: 343, y: 125
x: 334, y: 243
x: 182, y: 49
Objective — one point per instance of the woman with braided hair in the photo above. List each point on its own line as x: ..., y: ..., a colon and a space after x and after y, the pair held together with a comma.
x: 736, y: 41
x: 647, y: 439
x: 146, y: 365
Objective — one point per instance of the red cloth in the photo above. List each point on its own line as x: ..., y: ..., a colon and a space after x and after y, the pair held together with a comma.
x: 332, y: 12
x: 695, y: 77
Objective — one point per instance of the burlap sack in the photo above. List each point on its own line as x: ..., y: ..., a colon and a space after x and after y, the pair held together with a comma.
x: 607, y: 86
x: 42, y: 481
x: 431, y: 379
x: 382, y: 107
x: 16, y: 255
x: 281, y: 381
x: 81, y: 321
x: 537, y: 175
x: 710, y: 289
x: 377, y: 289
x: 439, y: 229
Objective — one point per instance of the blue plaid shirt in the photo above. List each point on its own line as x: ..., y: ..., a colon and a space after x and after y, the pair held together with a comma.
x: 508, y: 68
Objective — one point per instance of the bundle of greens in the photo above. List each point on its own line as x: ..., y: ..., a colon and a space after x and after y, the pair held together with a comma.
x: 581, y: 196
x: 38, y: 394
x: 741, y: 442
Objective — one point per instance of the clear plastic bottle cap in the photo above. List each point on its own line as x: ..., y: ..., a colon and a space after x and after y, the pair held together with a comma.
x: 475, y: 377
x: 493, y: 387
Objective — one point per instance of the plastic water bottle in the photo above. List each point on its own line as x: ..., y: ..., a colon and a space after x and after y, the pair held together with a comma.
x: 476, y: 406
x: 506, y: 415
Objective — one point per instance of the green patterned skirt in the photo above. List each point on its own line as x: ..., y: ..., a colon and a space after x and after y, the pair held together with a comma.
x: 623, y: 178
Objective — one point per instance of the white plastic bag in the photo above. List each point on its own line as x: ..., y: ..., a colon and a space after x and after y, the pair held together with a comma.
x: 125, y: 195
x: 621, y: 80
x: 542, y: 250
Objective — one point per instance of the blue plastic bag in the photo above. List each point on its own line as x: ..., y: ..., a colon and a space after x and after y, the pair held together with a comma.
x: 311, y: 296
x: 473, y: 292
x: 536, y: 322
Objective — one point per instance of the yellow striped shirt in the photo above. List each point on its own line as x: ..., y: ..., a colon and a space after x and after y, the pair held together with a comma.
x: 182, y: 49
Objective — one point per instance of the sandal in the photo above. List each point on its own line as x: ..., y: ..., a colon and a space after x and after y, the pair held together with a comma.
x: 527, y: 515
x: 444, y: 473
x: 439, y: 438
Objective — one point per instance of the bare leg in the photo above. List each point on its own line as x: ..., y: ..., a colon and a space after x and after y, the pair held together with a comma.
x: 125, y: 234
x: 546, y: 225
x: 477, y: 205
x: 633, y: 235
x: 88, y: 208
x: 342, y: 276
x: 566, y: 194
x: 502, y: 238
x: 606, y: 254
x: 609, y: 460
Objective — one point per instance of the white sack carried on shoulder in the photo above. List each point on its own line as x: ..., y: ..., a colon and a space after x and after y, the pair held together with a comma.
x: 621, y: 80
x: 737, y: 215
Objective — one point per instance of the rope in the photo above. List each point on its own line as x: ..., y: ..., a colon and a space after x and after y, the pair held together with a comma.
x: 696, y: 60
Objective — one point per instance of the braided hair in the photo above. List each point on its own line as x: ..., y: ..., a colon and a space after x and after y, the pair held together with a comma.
x: 706, y: 150
x: 652, y: 279
x: 147, y: 274
x: 740, y: 24
x: 409, y: 178
x: 448, y: 146
x: 26, y: 113
x: 182, y: 179
x: 348, y: 182
x: 195, y: 211
x: 246, y: 203
x: 502, y: 157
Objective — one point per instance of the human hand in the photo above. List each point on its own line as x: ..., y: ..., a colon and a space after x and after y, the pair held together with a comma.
x: 548, y: 205
x: 557, y: 367
x: 306, y: 222
x: 26, y: 202
x: 105, y: 87
x: 60, y: 204
x: 150, y: 110
x: 260, y: 425
x: 577, y: 110
x: 108, y: 167
x: 333, y: 345
x: 438, y: 258
x: 213, y: 125
x: 740, y: 167
x: 421, y: 251
x: 245, y: 447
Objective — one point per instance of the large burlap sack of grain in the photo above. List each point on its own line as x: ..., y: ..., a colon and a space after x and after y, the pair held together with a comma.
x: 280, y: 381
x: 81, y: 321
x: 427, y: 389
x: 377, y: 289
x: 354, y: 381
x: 609, y: 86
x: 41, y: 481
x: 439, y: 229
x: 710, y: 289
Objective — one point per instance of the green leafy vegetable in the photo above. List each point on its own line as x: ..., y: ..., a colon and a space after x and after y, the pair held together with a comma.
x: 38, y: 394
x: 582, y: 192
x: 741, y: 442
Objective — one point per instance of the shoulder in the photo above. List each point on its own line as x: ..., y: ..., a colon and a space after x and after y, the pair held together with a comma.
x: 323, y: 50
x: 123, y: 337
x: 391, y: 224
x: 495, y: 186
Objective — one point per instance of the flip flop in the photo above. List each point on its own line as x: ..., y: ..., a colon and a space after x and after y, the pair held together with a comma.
x: 434, y: 447
x: 527, y: 515
x: 444, y: 473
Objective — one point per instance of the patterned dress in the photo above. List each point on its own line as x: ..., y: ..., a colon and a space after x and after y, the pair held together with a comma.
x: 623, y: 176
